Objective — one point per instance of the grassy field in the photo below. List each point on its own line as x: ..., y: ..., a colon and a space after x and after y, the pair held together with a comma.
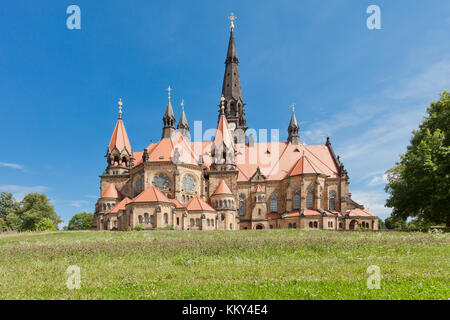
x: 278, y: 264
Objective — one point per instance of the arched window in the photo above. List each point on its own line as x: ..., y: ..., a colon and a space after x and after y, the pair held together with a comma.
x: 220, y: 203
x: 296, y: 200
x: 140, y: 219
x: 290, y: 226
x: 139, y: 185
x: 309, y: 198
x: 271, y: 226
x: 222, y: 217
x: 332, y: 201
x: 207, y: 222
x: 310, y: 224
x: 259, y: 212
x: 212, y: 222
x: 192, y: 222
x: 183, y: 199
x: 242, y: 205
x: 294, y: 225
x: 152, y: 219
x: 315, y: 224
x: 146, y: 218
x: 273, y: 203
x: 340, y: 225
x: 165, y: 218
x: 231, y: 226
x: 197, y: 222
x: 109, y: 206
x: 104, y: 207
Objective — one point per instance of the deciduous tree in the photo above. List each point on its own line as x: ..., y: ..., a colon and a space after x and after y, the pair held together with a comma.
x: 81, y: 221
x: 419, y: 185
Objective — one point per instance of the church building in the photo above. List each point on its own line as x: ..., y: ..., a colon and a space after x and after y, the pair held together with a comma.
x: 231, y: 182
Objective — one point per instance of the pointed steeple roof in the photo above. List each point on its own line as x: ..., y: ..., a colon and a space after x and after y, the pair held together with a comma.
x: 231, y: 87
x: 293, y: 128
x: 119, y: 138
x: 169, y: 110
x: 223, y: 134
x: 168, y: 119
x: 222, y: 188
x: 293, y: 123
x: 182, y: 123
x: 112, y: 192
x: 232, y: 52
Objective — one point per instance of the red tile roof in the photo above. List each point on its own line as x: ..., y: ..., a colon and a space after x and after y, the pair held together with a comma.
x: 112, y: 192
x: 120, y: 206
x: 198, y: 204
x: 303, y: 165
x: 119, y: 138
x: 359, y: 213
x: 222, y: 188
x: 309, y: 212
x: 223, y: 134
x: 151, y: 194
x: 274, y: 216
x: 283, y: 160
x: 177, y: 203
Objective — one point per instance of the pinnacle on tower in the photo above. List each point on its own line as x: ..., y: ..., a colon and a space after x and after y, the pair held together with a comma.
x: 168, y: 119
x: 293, y: 128
x: 183, y: 125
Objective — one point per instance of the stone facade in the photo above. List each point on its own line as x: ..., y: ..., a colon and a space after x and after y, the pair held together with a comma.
x: 225, y: 184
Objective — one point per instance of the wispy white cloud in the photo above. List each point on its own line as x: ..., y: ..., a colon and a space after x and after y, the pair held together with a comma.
x: 373, y: 201
x: 373, y: 131
x: 378, y: 180
x: 79, y: 203
x: 20, y: 191
x: 11, y: 165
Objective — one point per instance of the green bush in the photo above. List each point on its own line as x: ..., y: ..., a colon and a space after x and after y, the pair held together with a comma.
x: 45, y: 224
x: 139, y: 227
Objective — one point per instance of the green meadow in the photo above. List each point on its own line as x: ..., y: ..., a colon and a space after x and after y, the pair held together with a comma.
x: 275, y: 264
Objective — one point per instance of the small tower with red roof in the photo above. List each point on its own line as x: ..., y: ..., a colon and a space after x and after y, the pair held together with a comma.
x: 224, y: 202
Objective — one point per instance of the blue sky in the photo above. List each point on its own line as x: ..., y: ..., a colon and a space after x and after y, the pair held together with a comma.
x: 366, y: 89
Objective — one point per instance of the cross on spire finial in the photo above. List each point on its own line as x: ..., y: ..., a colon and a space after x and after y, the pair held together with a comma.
x: 182, y: 104
x: 232, y: 18
x: 169, y: 89
x: 120, y: 108
x: 293, y: 106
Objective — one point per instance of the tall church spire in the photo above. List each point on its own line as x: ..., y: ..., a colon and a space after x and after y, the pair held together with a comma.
x: 168, y: 119
x: 293, y: 128
x: 231, y: 87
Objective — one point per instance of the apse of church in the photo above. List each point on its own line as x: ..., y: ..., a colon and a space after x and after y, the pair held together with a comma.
x: 181, y: 184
